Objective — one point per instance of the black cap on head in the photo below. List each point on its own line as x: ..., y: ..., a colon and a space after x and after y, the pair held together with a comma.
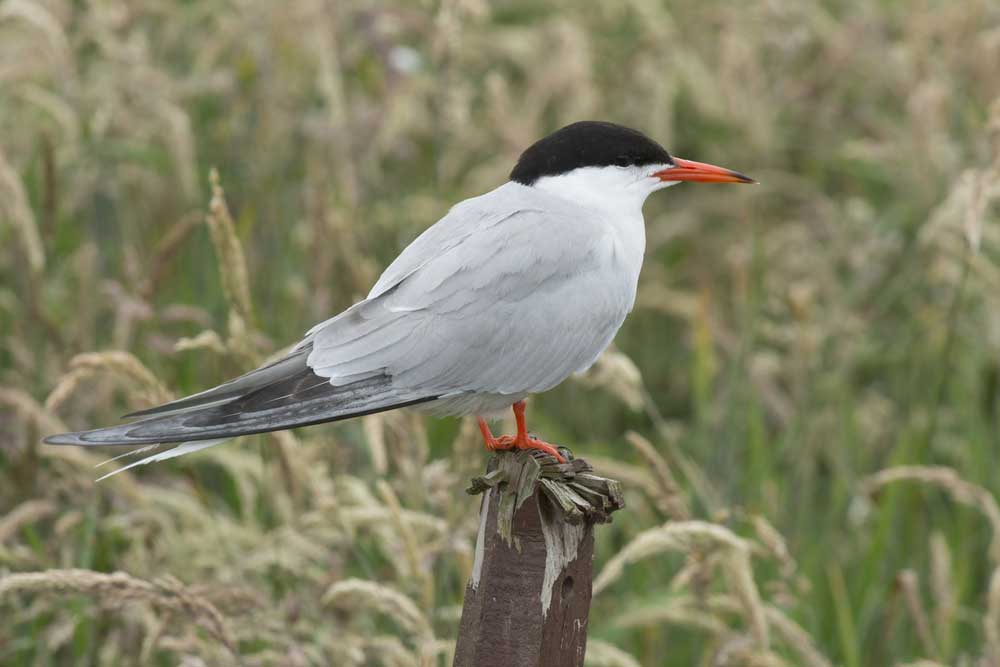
x: 588, y: 143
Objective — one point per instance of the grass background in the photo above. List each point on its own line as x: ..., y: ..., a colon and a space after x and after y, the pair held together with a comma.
x: 804, y: 406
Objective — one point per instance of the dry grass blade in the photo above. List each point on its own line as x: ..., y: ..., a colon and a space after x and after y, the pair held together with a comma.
x: 739, y: 650
x: 354, y: 594
x: 14, y: 207
x: 181, y: 145
x: 229, y: 251
x: 123, y: 365
x: 785, y: 629
x: 671, y: 499
x: 687, y: 537
x: 390, y: 652
x: 374, y: 428
x: 30, y: 410
x: 27, y: 512
x: 603, y: 654
x: 775, y: 543
x: 206, y: 340
x: 739, y: 573
x: 116, y: 589
x: 991, y: 620
x: 167, y: 249
x: 951, y: 483
x: 368, y: 516
x: 41, y: 19
x: 942, y: 586
x: 793, y: 635
x: 910, y: 586
x: 403, y: 529
x: 644, y: 545
x: 677, y: 537
x: 65, y: 388
x: 682, y: 610
x: 617, y: 374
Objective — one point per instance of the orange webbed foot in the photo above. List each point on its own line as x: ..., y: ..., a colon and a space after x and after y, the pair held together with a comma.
x: 520, y: 441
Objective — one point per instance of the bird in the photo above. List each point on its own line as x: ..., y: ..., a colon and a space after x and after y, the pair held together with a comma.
x: 506, y: 296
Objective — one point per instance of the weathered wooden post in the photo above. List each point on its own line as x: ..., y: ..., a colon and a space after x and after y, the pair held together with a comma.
x: 527, y: 602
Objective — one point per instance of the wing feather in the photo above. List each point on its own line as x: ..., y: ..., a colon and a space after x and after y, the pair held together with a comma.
x: 299, y: 399
x: 236, y: 387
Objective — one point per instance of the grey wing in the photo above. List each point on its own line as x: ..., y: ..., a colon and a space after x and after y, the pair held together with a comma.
x: 514, y: 307
x: 287, y: 392
x: 465, y: 220
x: 266, y: 402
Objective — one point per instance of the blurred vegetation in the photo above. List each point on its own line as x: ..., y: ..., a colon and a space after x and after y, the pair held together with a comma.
x: 804, y: 406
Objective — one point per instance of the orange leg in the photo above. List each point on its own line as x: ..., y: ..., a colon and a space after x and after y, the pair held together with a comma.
x: 488, y: 439
x: 520, y: 441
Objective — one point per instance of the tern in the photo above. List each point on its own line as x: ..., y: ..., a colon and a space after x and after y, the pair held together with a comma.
x: 505, y: 296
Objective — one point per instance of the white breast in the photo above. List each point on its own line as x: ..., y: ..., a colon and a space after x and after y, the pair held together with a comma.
x: 612, y: 199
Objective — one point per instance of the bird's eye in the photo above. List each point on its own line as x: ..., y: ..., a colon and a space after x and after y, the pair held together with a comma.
x: 622, y: 161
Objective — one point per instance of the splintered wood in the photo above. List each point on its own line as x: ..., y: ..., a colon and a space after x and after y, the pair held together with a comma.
x: 528, y: 599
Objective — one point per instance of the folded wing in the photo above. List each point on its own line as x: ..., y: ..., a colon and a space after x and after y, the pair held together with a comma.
x: 505, y: 303
x: 298, y: 397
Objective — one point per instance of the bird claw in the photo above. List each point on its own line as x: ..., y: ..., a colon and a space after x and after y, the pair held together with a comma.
x: 504, y: 442
x: 507, y: 442
x: 520, y: 441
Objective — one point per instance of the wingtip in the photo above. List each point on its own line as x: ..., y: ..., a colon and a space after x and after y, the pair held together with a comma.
x: 63, y: 439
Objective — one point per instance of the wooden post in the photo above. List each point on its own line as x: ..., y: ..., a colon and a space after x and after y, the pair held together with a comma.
x: 527, y: 602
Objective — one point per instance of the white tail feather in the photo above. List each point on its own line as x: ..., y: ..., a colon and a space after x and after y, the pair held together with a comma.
x: 180, y: 450
x: 131, y: 452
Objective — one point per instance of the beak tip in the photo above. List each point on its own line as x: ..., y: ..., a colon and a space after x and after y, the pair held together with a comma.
x: 700, y: 172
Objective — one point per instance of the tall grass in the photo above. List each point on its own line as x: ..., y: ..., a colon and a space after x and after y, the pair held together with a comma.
x: 804, y: 407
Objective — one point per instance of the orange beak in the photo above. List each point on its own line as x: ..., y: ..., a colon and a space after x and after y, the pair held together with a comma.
x: 699, y: 172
